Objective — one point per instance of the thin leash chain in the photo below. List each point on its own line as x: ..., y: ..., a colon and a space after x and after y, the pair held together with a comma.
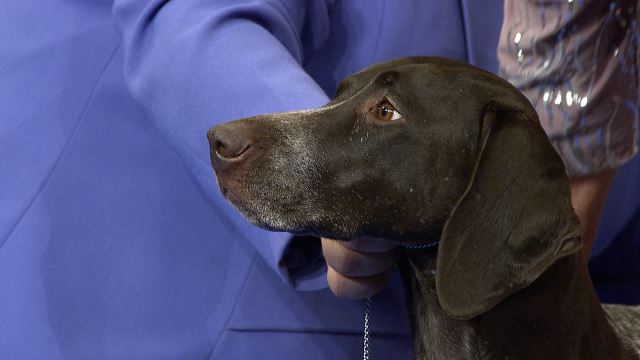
x: 365, y: 344
x: 367, y: 304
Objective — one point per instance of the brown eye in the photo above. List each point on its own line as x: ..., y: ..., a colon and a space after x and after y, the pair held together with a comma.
x: 386, y: 112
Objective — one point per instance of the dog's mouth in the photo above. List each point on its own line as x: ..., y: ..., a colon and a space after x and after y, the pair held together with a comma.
x: 263, y: 211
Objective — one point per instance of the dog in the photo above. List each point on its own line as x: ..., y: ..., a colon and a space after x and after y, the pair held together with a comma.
x: 427, y: 149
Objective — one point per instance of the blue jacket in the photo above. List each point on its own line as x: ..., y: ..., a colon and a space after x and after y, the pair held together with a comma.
x: 114, y: 240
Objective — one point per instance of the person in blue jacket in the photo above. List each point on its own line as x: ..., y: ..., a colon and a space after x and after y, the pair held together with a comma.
x: 114, y: 240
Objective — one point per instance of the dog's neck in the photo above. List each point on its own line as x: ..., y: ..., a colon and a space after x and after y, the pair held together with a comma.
x: 557, y: 317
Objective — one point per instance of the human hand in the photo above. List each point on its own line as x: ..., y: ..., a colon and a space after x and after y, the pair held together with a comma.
x: 359, y: 268
x: 588, y: 195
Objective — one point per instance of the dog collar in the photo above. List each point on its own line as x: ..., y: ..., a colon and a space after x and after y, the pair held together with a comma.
x: 422, y: 246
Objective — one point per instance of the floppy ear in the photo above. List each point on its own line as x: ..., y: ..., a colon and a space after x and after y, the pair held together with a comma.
x: 513, y: 221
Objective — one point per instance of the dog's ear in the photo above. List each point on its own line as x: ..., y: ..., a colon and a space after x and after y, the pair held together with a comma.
x: 513, y: 221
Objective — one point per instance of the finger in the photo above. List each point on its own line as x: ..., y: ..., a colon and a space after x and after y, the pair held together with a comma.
x: 355, y: 263
x: 353, y: 288
x: 370, y: 245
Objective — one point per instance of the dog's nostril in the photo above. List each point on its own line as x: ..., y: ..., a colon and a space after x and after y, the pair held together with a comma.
x: 221, y: 149
x: 224, y: 151
x: 227, y: 143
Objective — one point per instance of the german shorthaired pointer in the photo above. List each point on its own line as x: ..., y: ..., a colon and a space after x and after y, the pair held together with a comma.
x: 422, y: 149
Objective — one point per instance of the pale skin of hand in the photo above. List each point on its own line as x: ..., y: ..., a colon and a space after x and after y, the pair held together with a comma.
x: 588, y: 195
x: 360, y: 268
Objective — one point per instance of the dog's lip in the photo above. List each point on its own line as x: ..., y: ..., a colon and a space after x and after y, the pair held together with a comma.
x: 230, y: 188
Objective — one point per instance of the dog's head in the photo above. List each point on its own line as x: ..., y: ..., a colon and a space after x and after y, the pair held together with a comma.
x: 410, y: 150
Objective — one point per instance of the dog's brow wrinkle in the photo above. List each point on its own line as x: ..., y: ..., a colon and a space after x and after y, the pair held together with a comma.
x: 387, y: 78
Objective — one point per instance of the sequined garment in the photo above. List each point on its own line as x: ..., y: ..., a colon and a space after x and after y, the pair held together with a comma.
x: 577, y: 62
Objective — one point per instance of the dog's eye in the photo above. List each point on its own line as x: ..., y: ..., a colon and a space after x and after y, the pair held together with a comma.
x: 386, y: 112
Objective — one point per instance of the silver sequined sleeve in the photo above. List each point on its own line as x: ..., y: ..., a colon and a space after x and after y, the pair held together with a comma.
x: 577, y: 62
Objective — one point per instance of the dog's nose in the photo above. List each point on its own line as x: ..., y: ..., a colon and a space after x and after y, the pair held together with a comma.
x: 228, y: 142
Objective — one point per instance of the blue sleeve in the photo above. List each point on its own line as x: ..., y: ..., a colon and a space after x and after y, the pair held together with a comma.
x: 194, y: 63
